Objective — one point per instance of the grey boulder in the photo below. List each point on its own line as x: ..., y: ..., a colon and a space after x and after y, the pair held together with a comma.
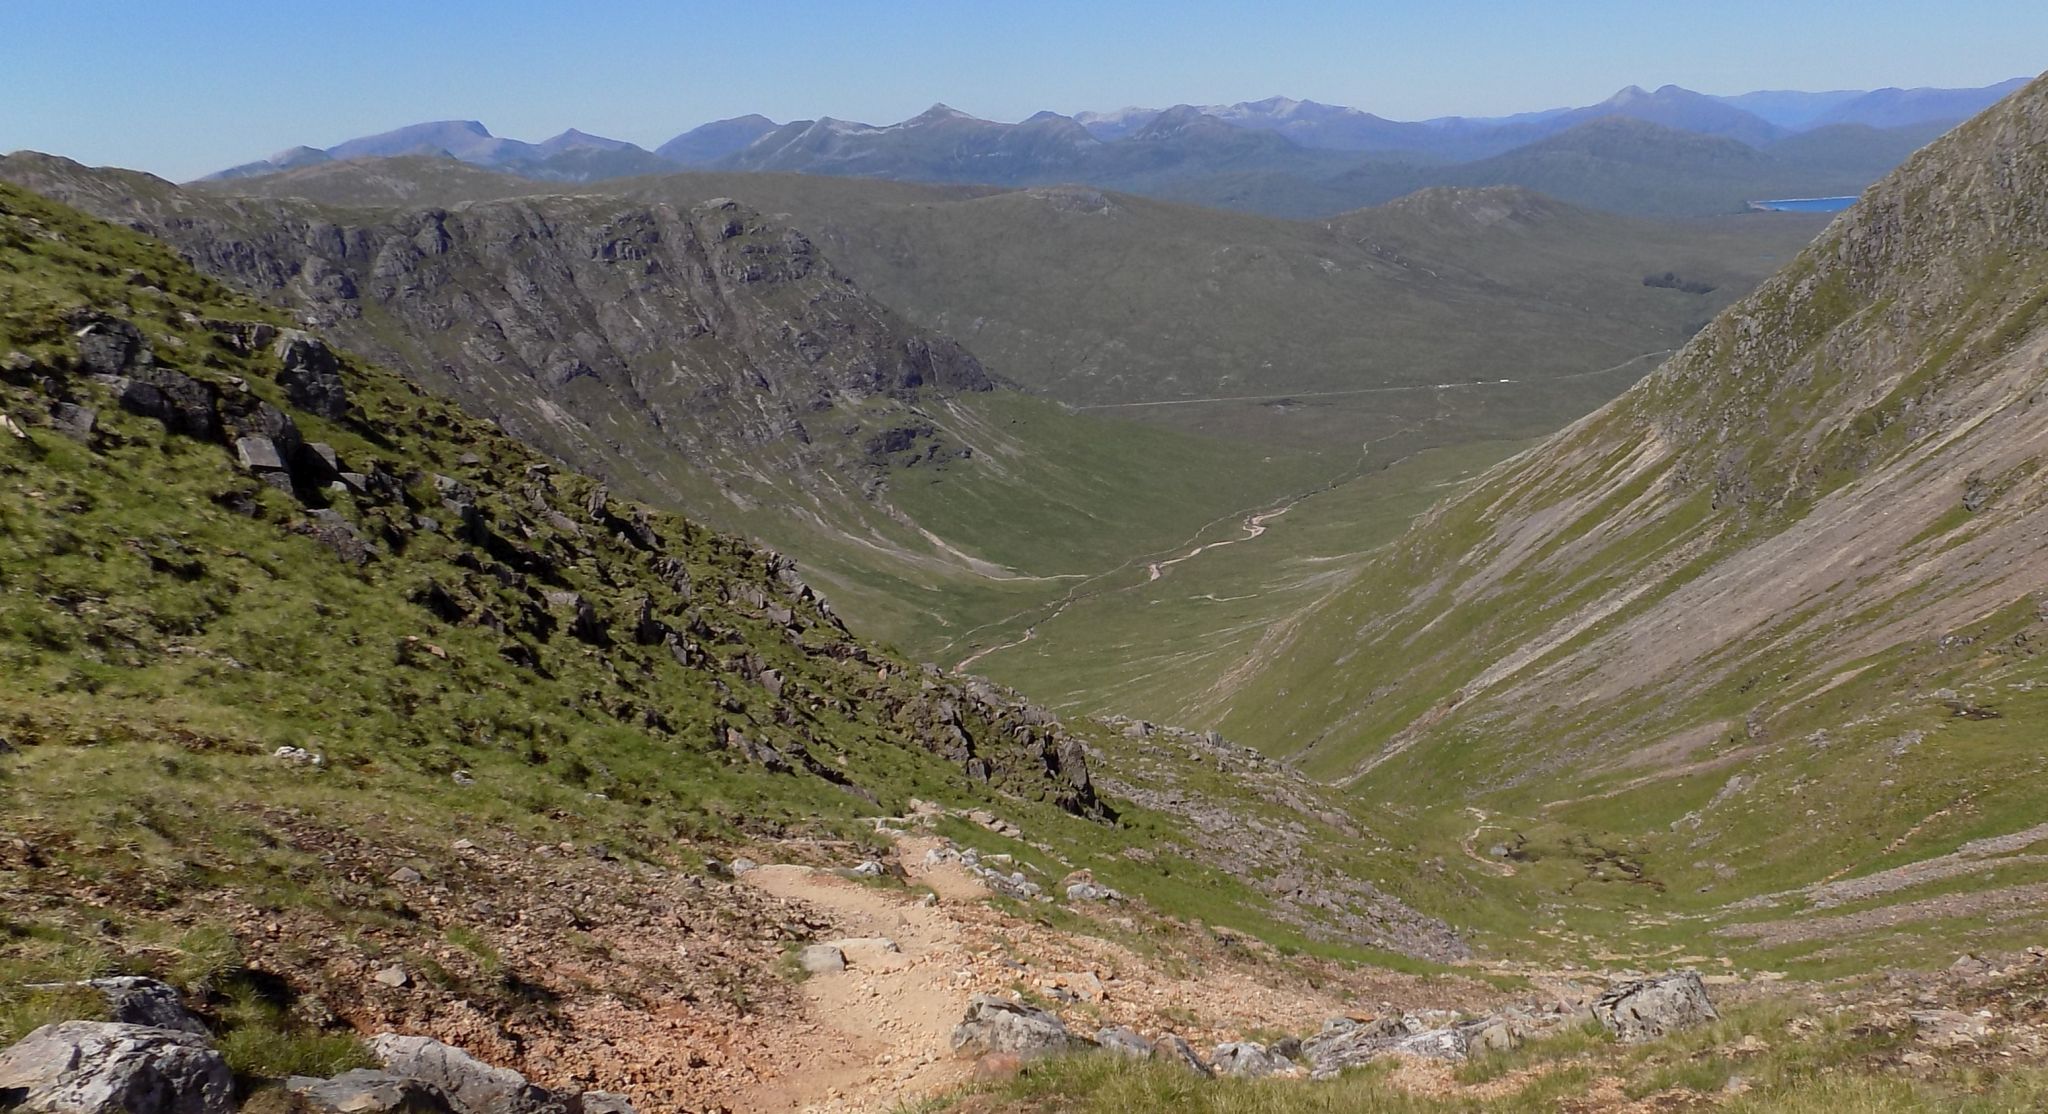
x: 1175, y: 1049
x: 996, y: 1025
x: 139, y: 1001
x: 1246, y: 1059
x: 105, y: 1067
x: 111, y: 346
x: 472, y: 1086
x: 311, y: 376
x: 1649, y: 1008
x: 1123, y: 1041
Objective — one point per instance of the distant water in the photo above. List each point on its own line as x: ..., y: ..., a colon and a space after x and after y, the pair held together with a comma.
x: 1804, y: 204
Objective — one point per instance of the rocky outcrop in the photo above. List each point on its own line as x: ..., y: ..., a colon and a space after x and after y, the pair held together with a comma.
x: 627, y: 338
x: 997, y: 1025
x: 996, y: 735
x: 1434, y: 1034
x: 95, y: 1067
x: 995, y: 738
x: 1649, y: 1008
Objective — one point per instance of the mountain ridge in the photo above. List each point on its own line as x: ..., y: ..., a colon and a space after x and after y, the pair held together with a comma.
x: 1175, y: 150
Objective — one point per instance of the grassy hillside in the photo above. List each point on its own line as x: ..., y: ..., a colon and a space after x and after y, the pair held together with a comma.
x: 1764, y: 624
x: 406, y: 693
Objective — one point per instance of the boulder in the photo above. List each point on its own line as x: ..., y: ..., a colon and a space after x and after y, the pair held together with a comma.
x: 602, y: 1102
x: 74, y: 421
x: 91, y: 1067
x: 182, y: 403
x: 1174, y: 1049
x: 471, y: 1086
x: 996, y: 1025
x: 310, y: 375
x: 1454, y: 1043
x: 321, y: 463
x: 1649, y: 1008
x: 1246, y: 1059
x: 110, y: 346
x: 1950, y: 1028
x: 132, y: 1000
x: 365, y: 1091
x: 1123, y: 1041
x: 246, y: 416
x: 259, y: 454
x: 333, y: 530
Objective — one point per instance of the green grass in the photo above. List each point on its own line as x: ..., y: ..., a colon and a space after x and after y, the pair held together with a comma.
x: 259, y: 1040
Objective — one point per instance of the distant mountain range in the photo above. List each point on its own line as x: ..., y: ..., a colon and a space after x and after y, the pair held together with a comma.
x: 572, y: 156
x: 1279, y: 156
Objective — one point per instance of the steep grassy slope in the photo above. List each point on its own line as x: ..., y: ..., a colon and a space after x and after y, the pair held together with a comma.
x: 1769, y: 619
x: 310, y: 675
x: 381, y: 572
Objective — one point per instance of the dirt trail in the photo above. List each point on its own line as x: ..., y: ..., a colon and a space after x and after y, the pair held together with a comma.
x: 878, y: 1034
x: 1470, y: 844
x: 883, y: 1024
x: 1254, y: 527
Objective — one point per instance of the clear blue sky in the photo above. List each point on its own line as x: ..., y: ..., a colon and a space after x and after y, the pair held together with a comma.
x: 183, y: 87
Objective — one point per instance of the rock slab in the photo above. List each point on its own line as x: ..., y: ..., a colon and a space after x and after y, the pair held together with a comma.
x: 996, y: 1025
x: 1649, y: 1008
x: 472, y: 1086
x: 1245, y: 1059
x: 105, y: 1067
